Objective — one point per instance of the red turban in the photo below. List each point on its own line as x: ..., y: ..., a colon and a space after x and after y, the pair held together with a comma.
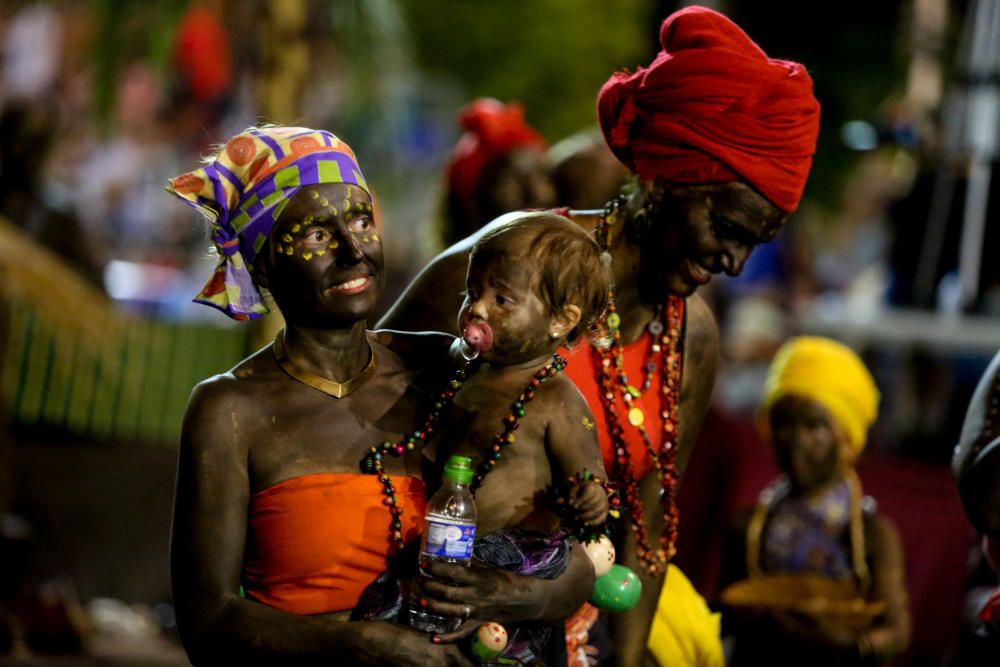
x: 492, y: 129
x: 712, y: 107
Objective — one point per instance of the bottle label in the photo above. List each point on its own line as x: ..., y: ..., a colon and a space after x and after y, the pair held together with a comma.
x: 449, y: 538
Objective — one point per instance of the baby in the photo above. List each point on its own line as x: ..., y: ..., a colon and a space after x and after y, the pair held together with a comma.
x: 533, y: 285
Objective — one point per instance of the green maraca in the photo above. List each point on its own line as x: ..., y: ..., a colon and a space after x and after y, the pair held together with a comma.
x: 618, y: 590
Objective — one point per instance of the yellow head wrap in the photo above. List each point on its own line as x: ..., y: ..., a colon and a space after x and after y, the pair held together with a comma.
x: 830, y: 374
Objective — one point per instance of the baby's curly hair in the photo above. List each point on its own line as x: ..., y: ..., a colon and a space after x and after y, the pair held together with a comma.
x: 569, y: 268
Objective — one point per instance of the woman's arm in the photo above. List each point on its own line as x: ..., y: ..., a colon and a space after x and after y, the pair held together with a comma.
x: 699, y: 364
x: 505, y: 597
x: 892, y: 635
x: 218, y: 626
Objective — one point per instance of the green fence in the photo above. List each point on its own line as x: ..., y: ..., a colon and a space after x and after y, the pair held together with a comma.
x: 129, y: 383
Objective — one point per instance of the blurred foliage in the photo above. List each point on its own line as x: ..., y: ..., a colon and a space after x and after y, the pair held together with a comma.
x: 551, y: 55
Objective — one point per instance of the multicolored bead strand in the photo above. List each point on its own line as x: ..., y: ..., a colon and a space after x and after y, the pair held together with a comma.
x: 372, y: 462
x: 666, y: 337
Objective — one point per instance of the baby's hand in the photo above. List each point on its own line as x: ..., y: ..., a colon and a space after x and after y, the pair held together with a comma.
x: 590, y: 502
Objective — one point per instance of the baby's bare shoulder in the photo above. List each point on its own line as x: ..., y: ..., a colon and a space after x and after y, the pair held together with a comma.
x: 560, y: 392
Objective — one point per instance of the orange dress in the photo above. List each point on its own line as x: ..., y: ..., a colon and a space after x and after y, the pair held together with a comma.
x: 583, y: 371
x: 315, y: 542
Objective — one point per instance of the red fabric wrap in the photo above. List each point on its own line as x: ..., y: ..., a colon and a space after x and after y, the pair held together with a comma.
x: 492, y: 129
x: 712, y: 107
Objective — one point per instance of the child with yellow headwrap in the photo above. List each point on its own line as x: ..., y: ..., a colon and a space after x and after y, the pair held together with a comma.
x: 819, y: 573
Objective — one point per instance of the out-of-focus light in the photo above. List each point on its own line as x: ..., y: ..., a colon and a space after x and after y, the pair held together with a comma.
x: 132, y: 281
x: 859, y: 135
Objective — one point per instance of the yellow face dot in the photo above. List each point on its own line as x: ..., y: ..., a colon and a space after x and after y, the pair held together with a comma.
x: 359, y: 207
x: 376, y: 238
x: 279, y: 248
x: 289, y: 251
x: 314, y: 194
x: 320, y: 252
x: 324, y: 201
x: 306, y: 220
x: 333, y: 211
x: 296, y: 228
x: 347, y: 204
x: 287, y: 238
x: 307, y: 256
x: 334, y: 243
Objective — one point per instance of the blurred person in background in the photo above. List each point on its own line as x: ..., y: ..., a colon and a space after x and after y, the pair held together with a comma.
x: 721, y: 139
x: 27, y: 133
x: 817, y: 572
x: 585, y: 173
x: 976, y: 465
x: 269, y: 498
x: 498, y: 165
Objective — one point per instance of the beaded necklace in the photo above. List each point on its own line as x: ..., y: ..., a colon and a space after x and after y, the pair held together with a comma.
x: 372, y: 461
x: 666, y: 334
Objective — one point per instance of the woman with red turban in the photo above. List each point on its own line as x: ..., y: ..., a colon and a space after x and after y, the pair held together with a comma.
x: 720, y: 139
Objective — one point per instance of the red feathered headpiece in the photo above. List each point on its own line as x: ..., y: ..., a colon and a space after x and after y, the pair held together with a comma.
x: 712, y: 107
x: 492, y: 129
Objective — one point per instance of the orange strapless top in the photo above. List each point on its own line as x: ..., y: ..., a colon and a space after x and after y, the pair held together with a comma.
x: 582, y: 370
x: 315, y: 542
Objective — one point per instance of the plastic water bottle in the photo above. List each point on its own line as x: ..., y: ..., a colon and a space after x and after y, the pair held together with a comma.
x: 449, y: 532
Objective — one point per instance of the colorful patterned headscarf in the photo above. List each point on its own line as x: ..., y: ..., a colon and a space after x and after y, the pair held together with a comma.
x: 243, y: 191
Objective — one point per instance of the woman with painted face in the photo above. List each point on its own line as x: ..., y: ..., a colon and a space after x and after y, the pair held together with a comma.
x: 719, y: 139
x: 818, y: 571
x: 276, y: 532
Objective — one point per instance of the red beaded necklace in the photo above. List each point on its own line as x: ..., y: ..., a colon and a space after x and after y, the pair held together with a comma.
x: 372, y: 461
x: 666, y: 335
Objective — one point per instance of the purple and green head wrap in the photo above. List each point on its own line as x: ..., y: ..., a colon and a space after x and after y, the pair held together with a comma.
x: 243, y: 191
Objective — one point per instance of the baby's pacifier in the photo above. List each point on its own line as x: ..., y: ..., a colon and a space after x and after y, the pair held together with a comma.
x: 476, y: 337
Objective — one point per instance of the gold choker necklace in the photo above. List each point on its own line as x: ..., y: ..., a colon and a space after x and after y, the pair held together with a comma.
x: 327, y: 386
